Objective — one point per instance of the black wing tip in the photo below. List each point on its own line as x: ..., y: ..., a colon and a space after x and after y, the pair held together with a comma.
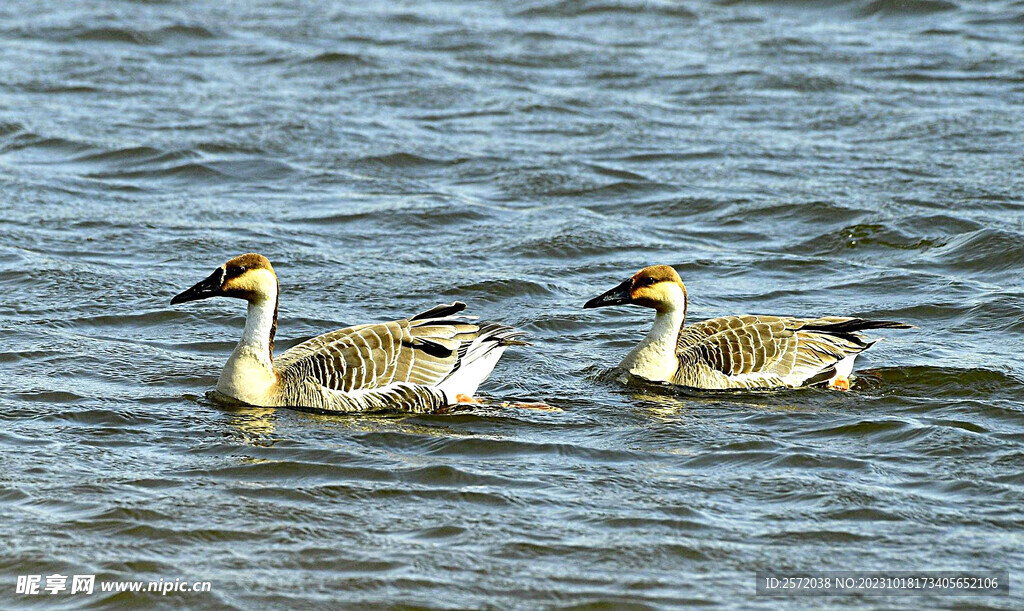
x: 857, y: 324
x: 441, y: 311
x: 883, y: 324
x: 892, y: 324
x: 503, y: 335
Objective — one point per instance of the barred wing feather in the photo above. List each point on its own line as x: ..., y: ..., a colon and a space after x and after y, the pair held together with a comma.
x: 768, y: 351
x: 422, y: 350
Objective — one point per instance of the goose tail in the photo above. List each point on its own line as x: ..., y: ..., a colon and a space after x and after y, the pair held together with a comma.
x: 478, y: 357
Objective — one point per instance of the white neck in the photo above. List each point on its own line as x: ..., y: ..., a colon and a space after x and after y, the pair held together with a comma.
x: 655, y: 358
x: 258, y: 323
x: 249, y: 372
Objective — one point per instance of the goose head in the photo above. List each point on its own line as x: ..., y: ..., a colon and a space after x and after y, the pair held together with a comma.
x: 658, y: 287
x: 249, y: 277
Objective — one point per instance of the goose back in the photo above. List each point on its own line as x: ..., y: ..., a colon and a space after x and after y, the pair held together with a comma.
x: 748, y: 351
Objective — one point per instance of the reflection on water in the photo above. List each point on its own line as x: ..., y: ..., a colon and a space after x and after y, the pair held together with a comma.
x: 255, y: 426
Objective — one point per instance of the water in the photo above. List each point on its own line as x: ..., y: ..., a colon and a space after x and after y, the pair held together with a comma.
x: 806, y: 158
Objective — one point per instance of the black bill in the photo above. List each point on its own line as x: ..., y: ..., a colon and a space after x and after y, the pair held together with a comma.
x: 619, y: 295
x: 203, y: 290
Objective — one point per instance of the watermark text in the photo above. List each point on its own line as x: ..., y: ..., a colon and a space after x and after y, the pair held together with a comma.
x: 49, y: 585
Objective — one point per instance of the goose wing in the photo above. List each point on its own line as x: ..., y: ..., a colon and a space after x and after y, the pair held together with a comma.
x: 769, y: 351
x: 418, y: 351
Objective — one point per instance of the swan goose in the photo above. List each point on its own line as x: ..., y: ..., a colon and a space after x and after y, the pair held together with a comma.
x: 420, y: 364
x: 752, y: 352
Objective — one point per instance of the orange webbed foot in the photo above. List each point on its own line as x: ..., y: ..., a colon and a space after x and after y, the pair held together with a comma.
x: 840, y: 384
x: 461, y: 398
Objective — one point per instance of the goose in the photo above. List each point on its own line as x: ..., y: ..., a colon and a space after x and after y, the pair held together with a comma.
x: 424, y: 363
x: 732, y: 352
